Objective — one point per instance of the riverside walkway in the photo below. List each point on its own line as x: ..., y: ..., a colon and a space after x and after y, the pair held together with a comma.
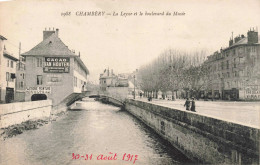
x: 244, y: 113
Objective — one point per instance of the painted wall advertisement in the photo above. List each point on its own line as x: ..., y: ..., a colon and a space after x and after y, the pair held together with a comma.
x: 38, y: 90
x: 252, y: 92
x: 56, y: 65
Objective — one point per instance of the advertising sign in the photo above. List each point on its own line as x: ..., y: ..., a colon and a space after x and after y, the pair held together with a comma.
x: 38, y: 90
x: 252, y: 92
x: 56, y: 65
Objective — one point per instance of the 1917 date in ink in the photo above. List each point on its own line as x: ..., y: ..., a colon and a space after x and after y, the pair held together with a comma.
x: 110, y: 157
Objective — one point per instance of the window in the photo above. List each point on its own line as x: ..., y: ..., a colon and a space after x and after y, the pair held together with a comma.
x: 253, y: 49
x: 248, y: 49
x: 241, y: 73
x: 7, y: 63
x: 254, y: 60
x: 236, y: 74
x: 241, y: 60
x: 227, y: 53
x: 39, y: 62
x: 7, y: 76
x: 39, y: 79
x: 21, y: 84
x: 228, y: 74
x: 12, y: 77
x: 75, y: 81
x: 227, y: 64
x: 12, y: 64
x: 235, y: 64
x: 228, y: 85
x: 222, y: 65
x: 23, y: 75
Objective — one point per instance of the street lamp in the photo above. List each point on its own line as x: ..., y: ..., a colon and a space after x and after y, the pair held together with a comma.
x: 134, y: 86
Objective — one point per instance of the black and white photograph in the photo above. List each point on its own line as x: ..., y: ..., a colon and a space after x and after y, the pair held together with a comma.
x: 129, y: 82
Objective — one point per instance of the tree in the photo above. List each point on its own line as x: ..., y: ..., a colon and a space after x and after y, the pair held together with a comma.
x: 174, y: 70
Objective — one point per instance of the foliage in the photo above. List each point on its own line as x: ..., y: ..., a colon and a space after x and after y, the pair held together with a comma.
x: 174, y: 70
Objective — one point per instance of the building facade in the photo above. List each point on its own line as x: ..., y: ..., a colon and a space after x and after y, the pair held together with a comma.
x: 107, y: 79
x: 235, y: 70
x: 20, y: 80
x: 7, y: 74
x: 52, y: 70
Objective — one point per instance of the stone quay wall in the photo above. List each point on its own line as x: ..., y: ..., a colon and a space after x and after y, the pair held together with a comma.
x: 16, y: 113
x: 201, y: 138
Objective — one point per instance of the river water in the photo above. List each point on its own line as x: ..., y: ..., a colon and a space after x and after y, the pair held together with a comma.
x: 97, y: 132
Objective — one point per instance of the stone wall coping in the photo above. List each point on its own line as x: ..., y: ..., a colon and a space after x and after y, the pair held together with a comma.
x: 22, y: 106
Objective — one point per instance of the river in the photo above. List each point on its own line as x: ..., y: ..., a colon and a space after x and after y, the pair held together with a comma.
x: 92, y: 135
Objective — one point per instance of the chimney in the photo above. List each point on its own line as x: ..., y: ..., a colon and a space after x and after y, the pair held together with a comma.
x: 79, y: 54
x: 57, y: 32
x: 47, y: 33
x: 252, y: 36
x: 237, y: 39
x: 230, y: 42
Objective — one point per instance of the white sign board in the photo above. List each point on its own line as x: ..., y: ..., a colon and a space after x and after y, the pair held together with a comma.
x: 38, y: 90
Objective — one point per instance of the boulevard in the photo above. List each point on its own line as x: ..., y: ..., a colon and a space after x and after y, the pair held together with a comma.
x: 244, y: 113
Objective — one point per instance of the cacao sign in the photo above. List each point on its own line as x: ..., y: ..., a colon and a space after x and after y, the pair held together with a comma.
x: 56, y: 65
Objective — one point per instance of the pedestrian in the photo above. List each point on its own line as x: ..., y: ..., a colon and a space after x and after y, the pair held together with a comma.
x: 193, y: 105
x: 187, y: 104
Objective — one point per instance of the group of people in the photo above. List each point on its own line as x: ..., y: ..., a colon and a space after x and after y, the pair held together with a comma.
x: 190, y: 105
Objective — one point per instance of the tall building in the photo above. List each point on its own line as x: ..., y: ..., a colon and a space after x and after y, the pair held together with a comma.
x: 7, y: 74
x: 53, y: 71
x: 235, y: 70
x: 107, y: 79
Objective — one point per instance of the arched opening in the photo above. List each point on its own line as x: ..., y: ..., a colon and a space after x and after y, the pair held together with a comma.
x: 36, y: 97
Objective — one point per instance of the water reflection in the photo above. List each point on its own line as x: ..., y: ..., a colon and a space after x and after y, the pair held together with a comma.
x: 97, y: 129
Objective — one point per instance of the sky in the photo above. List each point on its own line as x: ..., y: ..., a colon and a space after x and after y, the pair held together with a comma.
x: 122, y: 43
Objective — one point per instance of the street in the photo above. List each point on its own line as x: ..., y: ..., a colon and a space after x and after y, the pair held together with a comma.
x: 244, y: 113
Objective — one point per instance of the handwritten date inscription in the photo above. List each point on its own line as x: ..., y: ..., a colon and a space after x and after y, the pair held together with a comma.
x: 110, y: 156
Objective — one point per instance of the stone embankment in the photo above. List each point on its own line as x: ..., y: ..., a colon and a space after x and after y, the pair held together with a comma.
x: 201, y: 138
x: 17, y: 129
x: 15, y: 118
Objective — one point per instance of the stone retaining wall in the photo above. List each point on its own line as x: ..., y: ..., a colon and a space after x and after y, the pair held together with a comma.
x: 16, y: 113
x: 203, y: 139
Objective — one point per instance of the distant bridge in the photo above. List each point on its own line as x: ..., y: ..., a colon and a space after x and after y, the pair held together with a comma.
x: 102, y: 96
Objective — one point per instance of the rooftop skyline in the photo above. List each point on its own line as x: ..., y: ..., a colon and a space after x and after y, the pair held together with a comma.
x: 125, y: 43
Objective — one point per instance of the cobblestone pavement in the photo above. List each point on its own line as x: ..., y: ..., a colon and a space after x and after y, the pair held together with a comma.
x: 245, y: 113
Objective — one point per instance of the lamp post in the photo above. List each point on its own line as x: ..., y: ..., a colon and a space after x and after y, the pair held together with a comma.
x: 134, y: 86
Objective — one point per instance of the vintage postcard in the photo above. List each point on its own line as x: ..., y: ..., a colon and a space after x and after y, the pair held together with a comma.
x: 129, y: 82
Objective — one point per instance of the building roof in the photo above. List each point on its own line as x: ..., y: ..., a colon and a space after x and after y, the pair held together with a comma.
x: 2, y: 38
x: 50, y: 46
x: 82, y: 64
x: 107, y: 74
x: 53, y: 46
x: 8, y: 55
x: 243, y: 41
